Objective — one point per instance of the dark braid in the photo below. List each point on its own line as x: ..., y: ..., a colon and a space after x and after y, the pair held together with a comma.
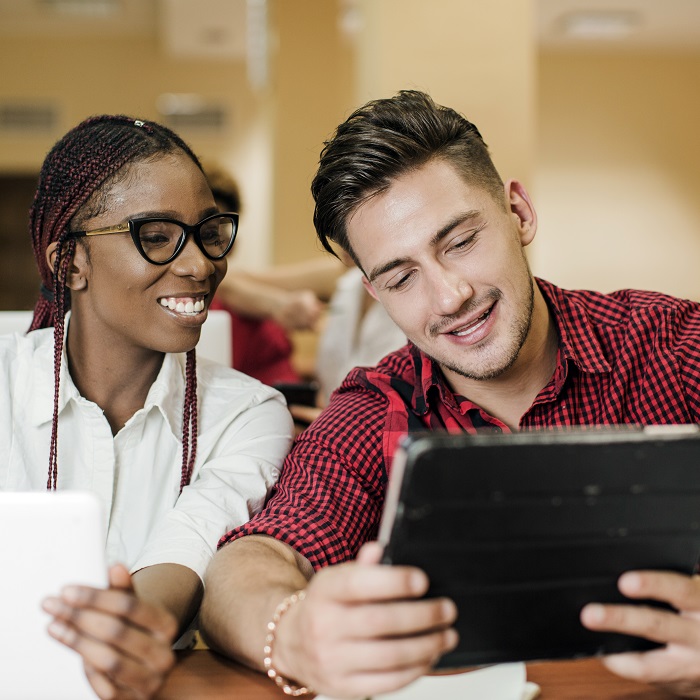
x: 74, y: 186
x: 189, y: 421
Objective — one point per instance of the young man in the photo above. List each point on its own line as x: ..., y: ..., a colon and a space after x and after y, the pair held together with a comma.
x: 408, y: 189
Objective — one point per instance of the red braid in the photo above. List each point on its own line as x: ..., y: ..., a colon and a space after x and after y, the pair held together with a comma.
x: 74, y: 185
x: 189, y: 421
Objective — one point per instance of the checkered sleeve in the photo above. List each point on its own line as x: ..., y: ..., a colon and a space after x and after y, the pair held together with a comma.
x: 687, y: 349
x: 329, y: 498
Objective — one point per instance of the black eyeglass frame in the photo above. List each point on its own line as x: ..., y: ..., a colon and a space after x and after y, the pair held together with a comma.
x: 133, y: 226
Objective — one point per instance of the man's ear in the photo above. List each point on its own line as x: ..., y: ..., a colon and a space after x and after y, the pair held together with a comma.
x: 76, y: 278
x: 370, y: 289
x: 521, y: 207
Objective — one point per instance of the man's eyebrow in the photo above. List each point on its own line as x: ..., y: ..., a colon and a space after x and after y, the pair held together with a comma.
x: 386, y: 267
x: 452, y: 224
x: 437, y: 237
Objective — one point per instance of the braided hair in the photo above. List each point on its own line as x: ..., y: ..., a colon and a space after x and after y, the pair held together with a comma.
x: 73, y: 187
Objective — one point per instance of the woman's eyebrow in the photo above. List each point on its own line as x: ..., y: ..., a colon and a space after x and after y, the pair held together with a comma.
x: 169, y: 214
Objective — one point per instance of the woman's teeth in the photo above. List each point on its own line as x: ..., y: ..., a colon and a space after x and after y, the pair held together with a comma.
x: 183, y: 305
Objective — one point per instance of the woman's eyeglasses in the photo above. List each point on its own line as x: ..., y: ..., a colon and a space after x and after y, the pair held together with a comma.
x: 160, y: 240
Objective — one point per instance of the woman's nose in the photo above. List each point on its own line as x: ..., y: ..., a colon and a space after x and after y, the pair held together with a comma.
x: 191, y: 261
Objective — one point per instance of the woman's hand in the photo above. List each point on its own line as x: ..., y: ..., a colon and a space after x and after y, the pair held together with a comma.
x: 125, y: 643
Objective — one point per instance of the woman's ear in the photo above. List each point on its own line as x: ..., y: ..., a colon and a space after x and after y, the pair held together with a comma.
x: 77, y: 270
x: 523, y: 211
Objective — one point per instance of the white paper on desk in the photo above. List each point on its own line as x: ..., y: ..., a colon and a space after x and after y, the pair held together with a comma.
x: 500, y: 682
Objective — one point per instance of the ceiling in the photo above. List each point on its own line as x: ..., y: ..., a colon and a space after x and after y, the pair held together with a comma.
x: 659, y: 24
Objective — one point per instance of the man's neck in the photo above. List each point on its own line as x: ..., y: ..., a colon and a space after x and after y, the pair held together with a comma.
x: 509, y: 396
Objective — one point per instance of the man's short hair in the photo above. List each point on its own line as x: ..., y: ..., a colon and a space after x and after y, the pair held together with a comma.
x: 381, y: 141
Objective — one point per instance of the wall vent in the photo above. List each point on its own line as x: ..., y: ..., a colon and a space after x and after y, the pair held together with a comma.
x: 191, y: 111
x: 82, y: 8
x: 208, y: 118
x: 28, y: 118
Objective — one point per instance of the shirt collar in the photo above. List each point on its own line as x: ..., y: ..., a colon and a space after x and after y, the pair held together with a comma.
x: 577, y: 338
x: 577, y: 342
x: 167, y: 393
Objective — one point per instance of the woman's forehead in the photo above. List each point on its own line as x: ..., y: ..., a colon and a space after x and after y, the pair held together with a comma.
x: 172, y: 181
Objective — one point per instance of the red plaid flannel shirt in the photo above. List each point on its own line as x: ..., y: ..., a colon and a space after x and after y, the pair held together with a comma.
x: 628, y: 357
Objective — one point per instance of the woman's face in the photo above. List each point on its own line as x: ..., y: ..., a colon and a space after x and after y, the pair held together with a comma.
x: 124, y: 298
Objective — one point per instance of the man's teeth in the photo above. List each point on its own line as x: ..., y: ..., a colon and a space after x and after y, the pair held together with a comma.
x: 183, y: 305
x: 466, y: 330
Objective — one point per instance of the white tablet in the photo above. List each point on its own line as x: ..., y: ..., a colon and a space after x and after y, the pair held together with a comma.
x: 47, y: 540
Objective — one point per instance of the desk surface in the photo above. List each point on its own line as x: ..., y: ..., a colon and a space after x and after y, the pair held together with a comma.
x: 206, y: 676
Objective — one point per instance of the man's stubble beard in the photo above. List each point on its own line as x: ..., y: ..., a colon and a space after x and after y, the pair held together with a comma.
x: 520, y: 333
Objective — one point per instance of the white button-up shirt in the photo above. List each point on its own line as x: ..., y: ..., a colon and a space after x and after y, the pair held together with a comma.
x: 244, y: 434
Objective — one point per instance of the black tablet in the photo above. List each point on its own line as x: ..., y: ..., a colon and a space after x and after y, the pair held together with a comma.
x: 522, y: 530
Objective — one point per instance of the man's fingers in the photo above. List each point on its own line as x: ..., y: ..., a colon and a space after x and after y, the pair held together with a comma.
x: 400, y: 654
x: 350, y: 583
x: 400, y: 619
x: 680, y: 591
x: 357, y: 668
x: 640, y: 621
x: 370, y: 553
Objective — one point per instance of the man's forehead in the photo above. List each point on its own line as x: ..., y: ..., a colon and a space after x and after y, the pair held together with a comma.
x: 416, y: 206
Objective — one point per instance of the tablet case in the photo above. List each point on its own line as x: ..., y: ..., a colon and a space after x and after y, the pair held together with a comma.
x: 47, y: 540
x: 522, y: 530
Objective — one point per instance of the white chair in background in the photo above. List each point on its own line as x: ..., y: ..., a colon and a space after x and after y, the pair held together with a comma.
x: 214, y: 343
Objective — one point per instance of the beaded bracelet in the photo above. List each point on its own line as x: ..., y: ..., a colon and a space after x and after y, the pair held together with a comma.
x: 288, y: 688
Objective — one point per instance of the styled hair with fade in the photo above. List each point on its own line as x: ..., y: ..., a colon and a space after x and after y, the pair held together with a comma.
x: 381, y: 141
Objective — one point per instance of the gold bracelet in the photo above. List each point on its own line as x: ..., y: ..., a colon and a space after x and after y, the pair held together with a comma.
x: 288, y: 688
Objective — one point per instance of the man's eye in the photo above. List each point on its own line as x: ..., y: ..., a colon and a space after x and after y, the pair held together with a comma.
x: 400, y: 283
x: 465, y: 242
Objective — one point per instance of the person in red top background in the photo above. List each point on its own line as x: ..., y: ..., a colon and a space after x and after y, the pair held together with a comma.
x: 408, y: 189
x: 260, y: 345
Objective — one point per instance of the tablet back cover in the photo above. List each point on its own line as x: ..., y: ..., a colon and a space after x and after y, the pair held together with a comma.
x: 47, y: 540
x: 523, y: 530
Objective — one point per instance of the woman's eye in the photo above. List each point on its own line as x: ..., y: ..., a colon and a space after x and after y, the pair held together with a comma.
x: 154, y: 238
x: 211, y: 235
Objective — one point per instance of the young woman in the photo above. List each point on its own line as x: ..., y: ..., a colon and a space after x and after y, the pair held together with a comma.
x: 104, y: 393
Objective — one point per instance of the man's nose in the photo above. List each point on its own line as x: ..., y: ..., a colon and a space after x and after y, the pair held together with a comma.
x: 451, y: 290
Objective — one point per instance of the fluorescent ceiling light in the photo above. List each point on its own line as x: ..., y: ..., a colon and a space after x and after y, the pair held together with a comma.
x: 601, y: 25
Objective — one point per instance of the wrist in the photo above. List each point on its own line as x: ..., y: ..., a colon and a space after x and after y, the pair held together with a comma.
x: 271, y: 655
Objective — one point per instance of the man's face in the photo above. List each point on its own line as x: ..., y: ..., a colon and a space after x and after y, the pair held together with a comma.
x: 446, y: 260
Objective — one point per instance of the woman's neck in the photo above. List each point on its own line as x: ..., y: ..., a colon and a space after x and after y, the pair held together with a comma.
x: 116, y: 376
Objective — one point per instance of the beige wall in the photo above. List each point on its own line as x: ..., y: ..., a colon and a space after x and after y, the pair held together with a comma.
x: 477, y: 57
x: 313, y: 92
x: 617, y: 174
x: 117, y: 75
x: 606, y: 143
